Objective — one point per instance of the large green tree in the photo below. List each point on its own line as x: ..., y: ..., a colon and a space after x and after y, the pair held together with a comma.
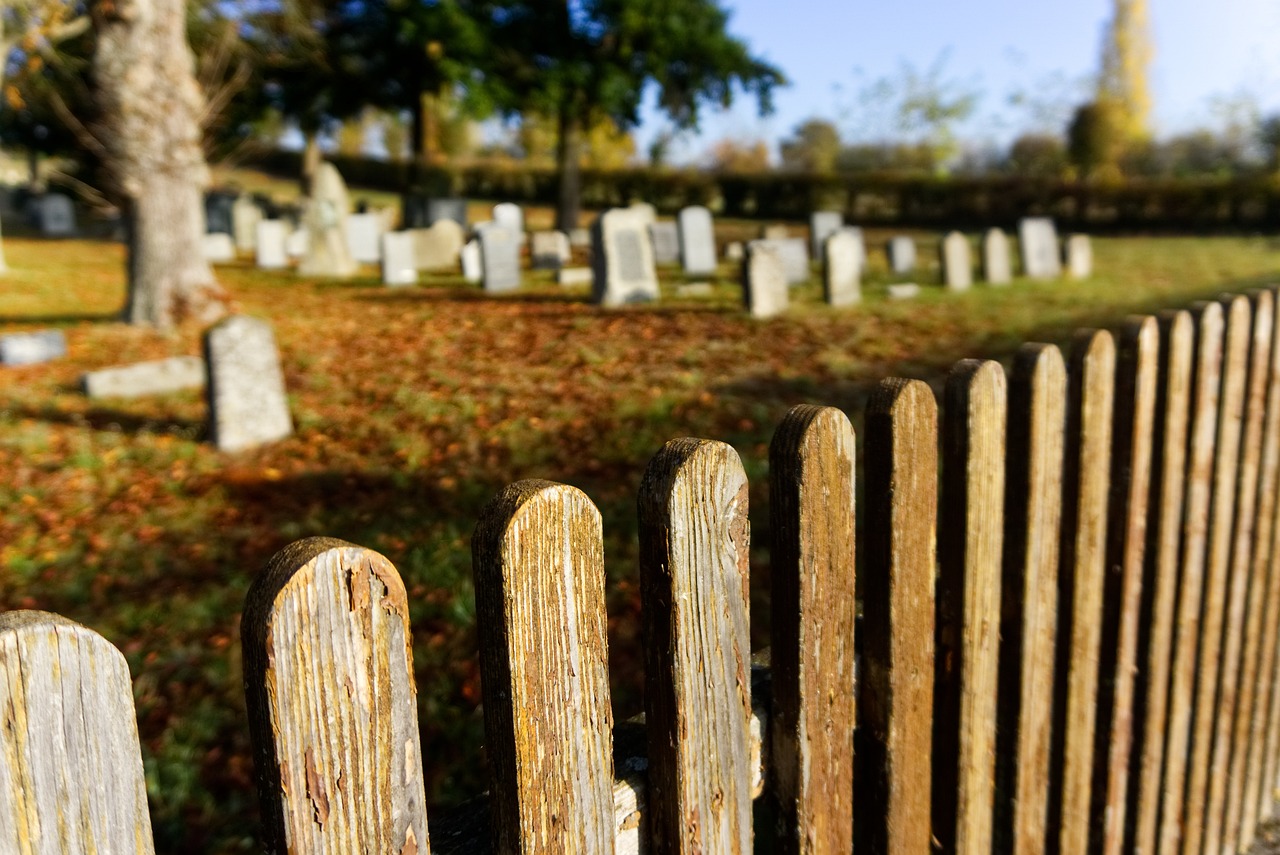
x: 581, y: 61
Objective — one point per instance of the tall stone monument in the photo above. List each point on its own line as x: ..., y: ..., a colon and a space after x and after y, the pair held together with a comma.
x: 622, y: 259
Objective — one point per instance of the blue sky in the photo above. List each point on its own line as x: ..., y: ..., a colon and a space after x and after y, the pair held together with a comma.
x: 831, y: 49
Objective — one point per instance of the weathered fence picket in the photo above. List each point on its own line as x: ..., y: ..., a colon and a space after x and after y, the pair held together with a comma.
x: 811, y: 490
x: 971, y: 529
x: 1098, y: 672
x: 1029, y: 594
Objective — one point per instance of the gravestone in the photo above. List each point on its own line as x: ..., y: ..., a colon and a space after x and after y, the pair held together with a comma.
x: 449, y: 208
x: 957, y: 265
x: 1038, y: 240
x: 55, y: 215
x: 327, y: 253
x: 399, y: 262
x: 622, y: 259
x: 510, y: 216
x: 904, y: 291
x: 1079, y: 257
x: 774, y: 232
x: 734, y: 250
x: 218, y: 205
x: 574, y: 276
x: 155, y: 377
x: 33, y: 347
x: 665, y: 237
x: 272, y: 236
x: 822, y: 225
x: 580, y: 238
x: 695, y: 289
x: 364, y: 237
x: 472, y: 269
x: 996, y: 266
x: 856, y: 233
x: 646, y: 212
x: 902, y: 254
x: 245, y: 216
x: 245, y: 386
x: 296, y: 244
x: 841, y: 270
x: 764, y: 286
x: 697, y: 241
x: 439, y: 246
x: 218, y: 247
x: 500, y: 259
x: 548, y: 250
x: 794, y: 255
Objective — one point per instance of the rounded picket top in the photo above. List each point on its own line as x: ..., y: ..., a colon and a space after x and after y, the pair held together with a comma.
x: 332, y: 704
x: 71, y: 772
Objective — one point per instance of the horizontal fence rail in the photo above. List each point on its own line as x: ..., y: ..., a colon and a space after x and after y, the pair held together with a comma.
x: 1056, y: 629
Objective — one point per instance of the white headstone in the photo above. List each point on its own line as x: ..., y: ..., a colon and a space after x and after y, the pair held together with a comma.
x: 902, y: 254
x: 245, y: 217
x: 776, y: 231
x: 996, y: 266
x: 439, y: 246
x: 510, y: 217
x: 646, y: 212
x: 734, y: 250
x: 697, y: 241
x: 622, y: 259
x: 472, y: 267
x: 156, y: 377
x: 399, y: 266
x: 856, y: 233
x: 1038, y: 240
x: 580, y: 237
x: 665, y: 237
x: 1079, y: 257
x: 764, y: 280
x: 574, y: 276
x: 500, y: 259
x: 218, y: 247
x: 841, y: 270
x: 364, y: 237
x: 325, y: 220
x: 33, y: 347
x: 56, y: 215
x: 904, y: 291
x: 794, y: 255
x: 822, y: 225
x: 247, y: 404
x: 548, y: 250
x: 297, y: 243
x: 271, y: 239
x: 957, y: 265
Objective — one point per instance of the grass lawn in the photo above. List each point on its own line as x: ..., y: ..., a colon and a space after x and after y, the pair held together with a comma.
x: 413, y: 407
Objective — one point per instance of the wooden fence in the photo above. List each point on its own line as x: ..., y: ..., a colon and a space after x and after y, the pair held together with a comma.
x: 1085, y: 660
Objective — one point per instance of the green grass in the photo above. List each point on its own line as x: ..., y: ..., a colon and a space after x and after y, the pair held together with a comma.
x: 413, y: 408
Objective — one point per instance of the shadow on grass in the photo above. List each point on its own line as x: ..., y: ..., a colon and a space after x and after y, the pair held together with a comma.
x: 68, y: 318
x: 114, y: 420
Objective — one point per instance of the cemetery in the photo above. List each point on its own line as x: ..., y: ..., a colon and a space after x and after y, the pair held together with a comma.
x: 409, y: 503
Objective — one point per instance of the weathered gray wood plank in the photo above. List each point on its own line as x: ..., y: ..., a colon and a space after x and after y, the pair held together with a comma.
x: 1161, y: 576
x: 332, y: 703
x: 811, y: 479
x: 694, y: 562
x: 1135, y: 401
x: 542, y: 629
x: 1235, y: 365
x: 972, y: 534
x: 1029, y: 597
x: 895, y: 695
x: 1081, y: 569
x: 1244, y: 612
x: 71, y: 777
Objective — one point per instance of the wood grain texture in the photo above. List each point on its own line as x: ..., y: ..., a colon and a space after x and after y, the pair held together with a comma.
x: 1206, y: 384
x: 1244, y: 604
x: 971, y: 522
x: 71, y: 776
x: 1081, y: 570
x: 1197, y: 825
x: 332, y: 703
x: 895, y: 693
x: 1263, y: 733
x: 811, y: 488
x: 541, y: 624
x: 1029, y: 597
x: 694, y: 562
x: 1160, y: 582
x: 1135, y: 400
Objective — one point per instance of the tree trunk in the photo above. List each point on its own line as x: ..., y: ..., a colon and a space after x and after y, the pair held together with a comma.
x: 311, y: 157
x: 568, y: 154
x: 150, y: 131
